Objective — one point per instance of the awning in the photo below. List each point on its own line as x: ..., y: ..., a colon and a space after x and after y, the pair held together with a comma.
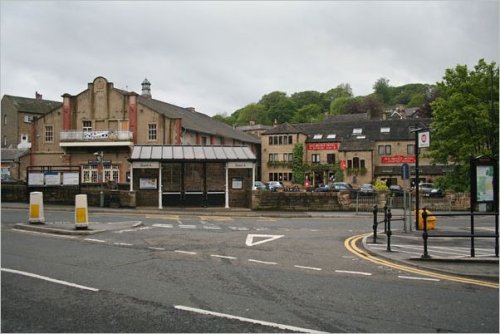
x: 191, y: 153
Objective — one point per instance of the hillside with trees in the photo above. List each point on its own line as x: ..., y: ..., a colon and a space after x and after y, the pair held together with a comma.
x: 312, y: 106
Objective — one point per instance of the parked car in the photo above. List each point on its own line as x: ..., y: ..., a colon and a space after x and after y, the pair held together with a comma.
x: 258, y: 185
x: 274, y: 185
x: 425, y: 188
x: 435, y: 192
x: 396, y: 190
x: 323, y: 188
x: 337, y: 186
x: 366, y: 190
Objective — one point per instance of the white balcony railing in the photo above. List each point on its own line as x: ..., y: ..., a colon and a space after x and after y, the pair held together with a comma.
x: 86, y: 136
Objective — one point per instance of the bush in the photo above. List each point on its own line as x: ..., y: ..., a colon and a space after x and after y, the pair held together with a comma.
x: 380, y: 185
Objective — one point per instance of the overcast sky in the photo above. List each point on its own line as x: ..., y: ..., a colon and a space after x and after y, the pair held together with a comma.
x: 221, y: 56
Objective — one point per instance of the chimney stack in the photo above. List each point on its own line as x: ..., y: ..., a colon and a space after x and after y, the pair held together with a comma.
x: 38, y: 96
x: 146, y: 89
x: 192, y: 109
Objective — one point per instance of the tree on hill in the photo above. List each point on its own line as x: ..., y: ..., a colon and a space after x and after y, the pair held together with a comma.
x: 465, y: 119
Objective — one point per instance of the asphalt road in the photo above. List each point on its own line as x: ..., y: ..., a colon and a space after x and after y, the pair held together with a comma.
x: 165, y: 276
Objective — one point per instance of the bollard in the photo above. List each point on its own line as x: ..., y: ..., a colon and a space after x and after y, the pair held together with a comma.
x: 375, y: 211
x: 425, y: 235
x: 385, y: 218
x: 36, y: 208
x: 389, y: 232
x: 81, y: 212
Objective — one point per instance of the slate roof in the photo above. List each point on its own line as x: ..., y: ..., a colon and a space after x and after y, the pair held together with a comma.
x: 191, y: 153
x: 34, y: 106
x: 196, y: 121
x: 12, y: 154
x: 343, y: 129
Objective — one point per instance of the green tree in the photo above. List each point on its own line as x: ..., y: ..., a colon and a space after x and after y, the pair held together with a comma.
x: 465, y: 116
x: 339, y: 105
x: 308, y: 114
x: 298, y: 164
x: 382, y: 89
x: 253, y: 112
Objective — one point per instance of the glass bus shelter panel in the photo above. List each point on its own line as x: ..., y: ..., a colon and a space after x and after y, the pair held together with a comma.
x: 216, y: 184
x: 172, y: 184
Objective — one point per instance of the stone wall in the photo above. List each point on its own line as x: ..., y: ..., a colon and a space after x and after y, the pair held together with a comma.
x: 295, y: 201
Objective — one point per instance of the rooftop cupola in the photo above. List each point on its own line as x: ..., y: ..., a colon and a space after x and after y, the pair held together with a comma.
x: 146, y: 89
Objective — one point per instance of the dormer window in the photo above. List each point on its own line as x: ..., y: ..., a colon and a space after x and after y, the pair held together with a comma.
x: 331, y: 136
x: 385, y: 130
x: 360, y: 137
x: 357, y: 131
x: 318, y: 136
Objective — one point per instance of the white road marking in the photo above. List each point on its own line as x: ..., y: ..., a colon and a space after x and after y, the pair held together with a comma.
x: 235, y: 228
x: 45, y: 278
x: 268, y: 237
x: 353, y: 272
x: 157, y: 248
x: 163, y: 225
x: 211, y: 227
x: 252, y: 321
x: 263, y: 262
x: 420, y: 278
x: 94, y: 240
x: 46, y: 234
x: 185, y: 252
x: 187, y: 226
x: 134, y: 230
x: 224, y: 257
x: 122, y: 244
x: 308, y: 268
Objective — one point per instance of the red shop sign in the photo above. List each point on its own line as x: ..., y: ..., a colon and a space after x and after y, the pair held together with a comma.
x: 322, y: 146
x: 398, y: 159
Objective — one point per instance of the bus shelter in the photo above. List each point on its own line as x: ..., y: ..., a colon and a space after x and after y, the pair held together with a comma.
x: 196, y: 176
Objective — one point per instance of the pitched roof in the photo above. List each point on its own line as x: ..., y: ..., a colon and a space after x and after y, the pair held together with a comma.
x: 196, y: 121
x: 287, y: 128
x: 191, y: 153
x: 34, y: 106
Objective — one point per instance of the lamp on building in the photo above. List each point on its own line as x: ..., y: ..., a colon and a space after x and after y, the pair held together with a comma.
x: 99, y: 157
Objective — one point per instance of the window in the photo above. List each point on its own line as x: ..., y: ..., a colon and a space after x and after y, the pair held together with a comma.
x: 318, y: 136
x: 49, y: 134
x: 330, y: 158
x: 410, y: 149
x: 4, y: 140
x: 357, y: 131
x: 355, y: 162
x: 4, y: 119
x: 275, y: 140
x: 315, y: 158
x: 290, y: 141
x: 384, y: 149
x: 90, y: 173
x: 270, y: 140
x: 204, y: 140
x: 331, y: 136
x: 287, y: 156
x: 273, y: 157
x: 28, y: 118
x: 385, y: 130
x: 87, y: 126
x: 152, y: 131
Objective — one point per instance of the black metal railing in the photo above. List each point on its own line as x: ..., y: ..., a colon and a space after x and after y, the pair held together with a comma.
x: 472, y: 235
x: 387, y: 225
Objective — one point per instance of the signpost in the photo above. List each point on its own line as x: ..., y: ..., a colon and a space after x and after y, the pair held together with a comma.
x: 422, y: 140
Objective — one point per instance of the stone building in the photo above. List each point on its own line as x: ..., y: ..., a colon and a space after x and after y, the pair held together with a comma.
x: 98, y: 128
x: 364, y: 149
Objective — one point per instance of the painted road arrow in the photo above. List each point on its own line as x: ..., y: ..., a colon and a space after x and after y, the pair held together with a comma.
x: 268, y: 237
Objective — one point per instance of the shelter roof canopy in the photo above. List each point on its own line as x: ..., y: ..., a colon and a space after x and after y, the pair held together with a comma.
x: 191, y: 153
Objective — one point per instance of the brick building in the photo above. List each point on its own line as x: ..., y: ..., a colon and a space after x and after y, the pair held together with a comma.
x: 98, y: 128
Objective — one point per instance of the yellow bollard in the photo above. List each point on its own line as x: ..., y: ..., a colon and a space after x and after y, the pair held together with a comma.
x: 81, y: 212
x: 36, y: 208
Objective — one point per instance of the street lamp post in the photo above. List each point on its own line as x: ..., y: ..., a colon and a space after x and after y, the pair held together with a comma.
x: 99, y: 156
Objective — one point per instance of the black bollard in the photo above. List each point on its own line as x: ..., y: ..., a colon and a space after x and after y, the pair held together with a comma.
x: 425, y: 235
x: 375, y: 211
x: 389, y: 232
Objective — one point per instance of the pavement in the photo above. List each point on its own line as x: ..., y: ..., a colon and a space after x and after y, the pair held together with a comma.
x: 446, y: 255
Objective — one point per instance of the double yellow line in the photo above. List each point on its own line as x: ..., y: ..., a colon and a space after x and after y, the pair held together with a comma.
x: 350, y: 244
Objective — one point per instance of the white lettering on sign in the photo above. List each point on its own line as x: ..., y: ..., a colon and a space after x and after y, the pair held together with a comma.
x: 240, y: 164
x: 150, y: 164
x: 267, y: 237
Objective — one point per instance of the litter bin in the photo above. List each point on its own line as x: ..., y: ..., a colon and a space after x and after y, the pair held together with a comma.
x: 431, y: 220
x: 114, y: 199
